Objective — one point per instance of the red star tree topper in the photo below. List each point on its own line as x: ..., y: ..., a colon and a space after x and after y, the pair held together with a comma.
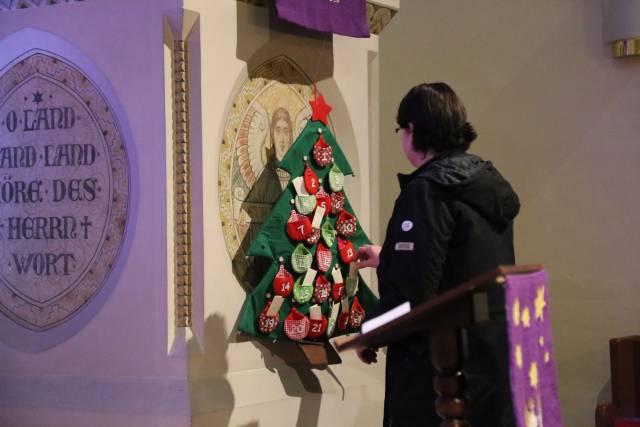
x: 319, y: 108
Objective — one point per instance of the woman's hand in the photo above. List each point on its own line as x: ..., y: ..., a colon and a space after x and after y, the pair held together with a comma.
x: 368, y: 256
x: 367, y: 354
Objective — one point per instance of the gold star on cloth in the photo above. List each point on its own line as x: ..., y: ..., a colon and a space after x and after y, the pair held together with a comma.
x: 532, y: 366
x: 540, y: 303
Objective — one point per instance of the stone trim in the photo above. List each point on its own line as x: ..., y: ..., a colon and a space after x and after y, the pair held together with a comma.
x: 26, y: 4
x: 182, y: 184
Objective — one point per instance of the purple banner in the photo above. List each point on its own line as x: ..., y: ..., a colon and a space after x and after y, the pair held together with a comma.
x: 346, y: 17
x: 532, y: 364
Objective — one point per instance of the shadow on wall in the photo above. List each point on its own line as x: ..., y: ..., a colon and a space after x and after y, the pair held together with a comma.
x: 296, y: 375
x: 311, y: 50
x: 211, y: 397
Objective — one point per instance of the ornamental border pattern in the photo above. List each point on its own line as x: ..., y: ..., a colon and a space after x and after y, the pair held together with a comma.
x: 182, y: 185
x: 378, y: 17
x: 26, y: 4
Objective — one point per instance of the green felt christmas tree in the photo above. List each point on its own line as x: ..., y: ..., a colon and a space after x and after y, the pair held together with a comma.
x: 310, y: 292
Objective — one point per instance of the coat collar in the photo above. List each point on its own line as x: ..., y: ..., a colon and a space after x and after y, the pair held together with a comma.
x: 405, y: 179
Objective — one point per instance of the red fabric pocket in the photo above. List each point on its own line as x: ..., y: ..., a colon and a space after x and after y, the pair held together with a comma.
x: 267, y: 324
x: 283, y: 282
x: 346, y: 250
x: 346, y: 224
x: 337, y: 292
x: 323, y: 257
x: 356, y: 315
x: 343, y: 321
x: 322, y: 153
x: 310, y: 180
x: 317, y: 327
x: 313, y: 237
x: 337, y: 202
x: 298, y: 226
x: 323, y: 199
x: 322, y: 289
x: 296, y: 325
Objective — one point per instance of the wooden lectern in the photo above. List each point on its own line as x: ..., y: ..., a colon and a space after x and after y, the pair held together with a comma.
x: 444, y: 317
x: 625, y: 384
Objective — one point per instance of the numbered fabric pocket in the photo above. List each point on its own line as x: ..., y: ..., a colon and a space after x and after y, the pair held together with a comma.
x: 337, y: 291
x: 305, y: 204
x: 296, y: 325
x: 343, y: 321
x: 322, y: 289
x: 346, y: 224
x: 301, y: 259
x: 323, y: 199
x: 314, y: 237
x: 328, y: 233
x: 301, y: 292
x: 298, y: 226
x: 336, y: 178
x: 356, y: 315
x: 337, y: 202
x: 351, y: 285
x: 331, y: 326
x: 323, y: 257
x: 267, y: 324
x: 322, y: 153
x: 346, y: 250
x: 310, y: 180
x: 317, y: 327
x: 283, y: 282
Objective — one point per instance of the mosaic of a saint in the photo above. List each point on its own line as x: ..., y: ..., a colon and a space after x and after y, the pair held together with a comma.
x: 263, y: 140
x: 266, y: 116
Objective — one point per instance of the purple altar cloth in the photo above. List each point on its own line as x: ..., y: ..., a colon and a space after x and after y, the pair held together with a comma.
x: 532, y: 364
x: 346, y: 17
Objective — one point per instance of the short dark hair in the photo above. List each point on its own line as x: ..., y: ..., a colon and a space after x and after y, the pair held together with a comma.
x: 438, y: 116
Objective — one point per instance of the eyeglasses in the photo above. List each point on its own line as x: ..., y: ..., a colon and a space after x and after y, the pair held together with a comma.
x: 399, y: 128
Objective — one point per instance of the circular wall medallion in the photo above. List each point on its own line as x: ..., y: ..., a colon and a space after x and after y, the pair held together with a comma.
x: 64, y: 191
x: 266, y: 117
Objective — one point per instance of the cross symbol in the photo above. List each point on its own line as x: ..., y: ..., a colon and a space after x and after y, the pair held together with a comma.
x: 86, y: 224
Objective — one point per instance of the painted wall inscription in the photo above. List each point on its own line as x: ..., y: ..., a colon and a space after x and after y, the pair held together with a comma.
x: 64, y: 191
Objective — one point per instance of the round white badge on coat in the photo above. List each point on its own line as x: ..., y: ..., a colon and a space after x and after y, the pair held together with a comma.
x: 406, y: 225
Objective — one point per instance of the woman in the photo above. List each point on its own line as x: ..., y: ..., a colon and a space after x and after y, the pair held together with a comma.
x: 451, y: 222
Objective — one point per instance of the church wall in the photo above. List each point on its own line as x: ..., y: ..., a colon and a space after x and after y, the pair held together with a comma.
x: 558, y: 116
x: 109, y: 364
x: 234, y: 380
x: 121, y: 361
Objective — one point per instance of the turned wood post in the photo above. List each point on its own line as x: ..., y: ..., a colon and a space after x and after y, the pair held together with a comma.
x: 449, y: 383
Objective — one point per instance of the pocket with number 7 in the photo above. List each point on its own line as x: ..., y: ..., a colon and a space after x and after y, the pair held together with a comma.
x: 298, y: 226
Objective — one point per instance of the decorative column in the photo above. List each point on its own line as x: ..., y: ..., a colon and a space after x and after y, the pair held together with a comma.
x: 182, y: 184
x: 622, y: 26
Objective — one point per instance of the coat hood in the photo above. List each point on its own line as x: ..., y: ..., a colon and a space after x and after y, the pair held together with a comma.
x: 473, y: 181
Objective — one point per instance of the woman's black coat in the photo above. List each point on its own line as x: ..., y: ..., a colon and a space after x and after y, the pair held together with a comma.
x: 451, y: 222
